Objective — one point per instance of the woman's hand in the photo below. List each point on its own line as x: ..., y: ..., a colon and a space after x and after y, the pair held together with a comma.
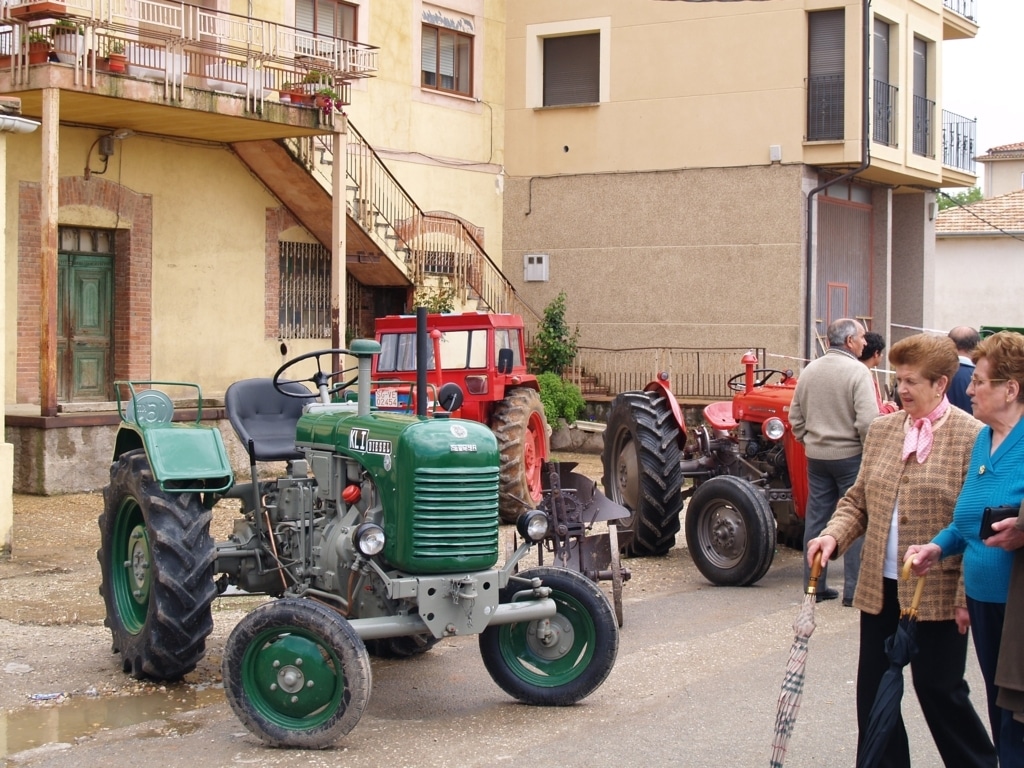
x: 826, y: 545
x: 922, y: 557
x: 963, y: 619
x: 1007, y: 536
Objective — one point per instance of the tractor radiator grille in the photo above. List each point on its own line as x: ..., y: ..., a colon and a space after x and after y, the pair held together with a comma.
x: 455, y: 518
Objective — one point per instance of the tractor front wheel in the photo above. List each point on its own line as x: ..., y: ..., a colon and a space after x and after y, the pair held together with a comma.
x: 730, y: 531
x: 557, y: 661
x: 642, y: 472
x: 156, y: 562
x: 519, y: 425
x: 296, y: 674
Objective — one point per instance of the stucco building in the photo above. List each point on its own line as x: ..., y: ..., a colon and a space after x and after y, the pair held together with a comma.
x: 187, y: 213
x: 662, y: 159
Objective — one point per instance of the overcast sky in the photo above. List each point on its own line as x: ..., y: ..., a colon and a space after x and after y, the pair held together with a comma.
x: 982, y: 77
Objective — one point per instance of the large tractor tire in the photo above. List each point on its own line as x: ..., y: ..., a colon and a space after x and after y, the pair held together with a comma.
x: 156, y: 562
x: 519, y: 425
x: 296, y: 674
x: 558, y: 661
x: 642, y: 472
x: 730, y: 531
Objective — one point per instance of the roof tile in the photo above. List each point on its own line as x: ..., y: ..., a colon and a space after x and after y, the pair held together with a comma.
x: 1005, y: 212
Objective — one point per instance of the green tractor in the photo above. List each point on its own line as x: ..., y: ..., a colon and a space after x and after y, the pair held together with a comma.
x: 382, y: 536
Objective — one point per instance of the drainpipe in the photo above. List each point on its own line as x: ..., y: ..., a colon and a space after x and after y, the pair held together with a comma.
x: 865, y: 161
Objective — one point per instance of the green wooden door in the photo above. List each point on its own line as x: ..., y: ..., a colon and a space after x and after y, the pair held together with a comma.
x: 84, y: 312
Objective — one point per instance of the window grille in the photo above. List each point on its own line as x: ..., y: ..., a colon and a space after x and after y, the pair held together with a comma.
x: 305, y: 291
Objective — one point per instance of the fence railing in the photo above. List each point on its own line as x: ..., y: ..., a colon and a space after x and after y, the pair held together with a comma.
x: 825, y: 107
x: 426, y: 244
x: 959, y: 145
x: 963, y: 7
x: 924, y: 119
x: 694, y: 373
x: 883, y: 113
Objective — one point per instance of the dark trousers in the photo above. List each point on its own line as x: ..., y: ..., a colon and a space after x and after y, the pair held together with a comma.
x: 987, y: 629
x: 938, y: 674
x: 828, y: 481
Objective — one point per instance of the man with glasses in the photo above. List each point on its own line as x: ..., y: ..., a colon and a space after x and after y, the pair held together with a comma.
x: 833, y: 406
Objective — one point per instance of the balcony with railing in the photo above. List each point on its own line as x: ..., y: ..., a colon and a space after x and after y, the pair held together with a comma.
x: 959, y: 19
x: 883, y: 113
x: 959, y: 145
x: 825, y: 107
x: 180, y: 46
x: 924, y: 119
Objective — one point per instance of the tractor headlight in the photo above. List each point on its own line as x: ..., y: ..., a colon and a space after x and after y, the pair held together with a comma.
x: 533, y: 525
x: 773, y: 428
x: 369, y: 539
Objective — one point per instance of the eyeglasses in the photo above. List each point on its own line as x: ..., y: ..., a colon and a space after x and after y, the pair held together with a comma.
x: 978, y: 382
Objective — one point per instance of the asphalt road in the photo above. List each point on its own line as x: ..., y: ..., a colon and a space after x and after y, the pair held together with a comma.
x: 696, y: 684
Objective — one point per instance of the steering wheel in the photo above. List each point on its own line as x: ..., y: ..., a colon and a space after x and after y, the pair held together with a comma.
x: 320, y: 379
x: 738, y: 383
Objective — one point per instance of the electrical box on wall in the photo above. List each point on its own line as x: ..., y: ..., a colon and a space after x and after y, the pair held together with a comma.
x: 535, y: 268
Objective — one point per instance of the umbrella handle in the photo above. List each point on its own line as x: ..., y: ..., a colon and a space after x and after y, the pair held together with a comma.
x: 916, y: 600
x: 812, y: 581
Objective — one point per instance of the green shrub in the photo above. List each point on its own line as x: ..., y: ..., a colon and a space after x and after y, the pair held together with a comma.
x: 561, y: 399
x: 554, y: 346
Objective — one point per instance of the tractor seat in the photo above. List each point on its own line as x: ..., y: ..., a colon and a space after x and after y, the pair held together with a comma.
x: 259, y: 412
x: 719, y: 415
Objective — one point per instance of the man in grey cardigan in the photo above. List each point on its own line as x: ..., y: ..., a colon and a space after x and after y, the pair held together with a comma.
x: 833, y: 406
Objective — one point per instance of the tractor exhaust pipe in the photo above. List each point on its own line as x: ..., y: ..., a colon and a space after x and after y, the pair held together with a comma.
x: 422, y: 353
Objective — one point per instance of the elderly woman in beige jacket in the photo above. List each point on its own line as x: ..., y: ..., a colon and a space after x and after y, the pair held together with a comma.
x: 911, y: 472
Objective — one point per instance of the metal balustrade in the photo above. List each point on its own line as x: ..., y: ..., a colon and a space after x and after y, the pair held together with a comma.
x: 181, y: 26
x: 421, y: 243
x: 959, y: 144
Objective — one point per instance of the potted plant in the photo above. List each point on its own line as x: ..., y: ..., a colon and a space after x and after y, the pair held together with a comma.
x: 38, y: 48
x: 284, y: 94
x: 68, y: 42
x: 327, y: 101
x: 116, y: 60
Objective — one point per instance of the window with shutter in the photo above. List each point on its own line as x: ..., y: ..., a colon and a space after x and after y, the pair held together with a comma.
x: 826, y: 73
x: 330, y: 18
x: 572, y: 69
x: 446, y: 60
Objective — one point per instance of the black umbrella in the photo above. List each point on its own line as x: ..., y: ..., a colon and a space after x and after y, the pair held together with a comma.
x: 900, y: 648
x: 793, y: 682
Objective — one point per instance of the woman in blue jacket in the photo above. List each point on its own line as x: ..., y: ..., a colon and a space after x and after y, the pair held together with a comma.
x: 995, y: 479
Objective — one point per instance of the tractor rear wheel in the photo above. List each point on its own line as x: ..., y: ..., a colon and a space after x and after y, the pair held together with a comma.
x: 558, y: 661
x: 642, y: 471
x: 521, y: 429
x: 296, y: 674
x: 156, y: 561
x: 730, y: 531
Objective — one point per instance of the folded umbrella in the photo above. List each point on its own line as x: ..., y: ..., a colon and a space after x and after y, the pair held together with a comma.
x: 900, y: 648
x: 793, y: 683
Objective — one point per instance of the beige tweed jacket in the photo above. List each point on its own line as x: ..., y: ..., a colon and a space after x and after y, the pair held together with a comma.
x: 926, y: 494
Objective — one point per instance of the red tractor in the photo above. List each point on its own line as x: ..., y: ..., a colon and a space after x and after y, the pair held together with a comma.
x: 748, y: 474
x: 483, y: 378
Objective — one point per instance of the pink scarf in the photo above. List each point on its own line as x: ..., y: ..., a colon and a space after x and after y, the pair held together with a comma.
x: 919, y: 437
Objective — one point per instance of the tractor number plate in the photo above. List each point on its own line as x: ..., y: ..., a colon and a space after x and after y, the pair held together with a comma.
x: 387, y: 398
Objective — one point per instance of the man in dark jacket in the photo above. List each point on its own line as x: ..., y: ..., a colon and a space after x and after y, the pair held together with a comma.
x: 966, y: 339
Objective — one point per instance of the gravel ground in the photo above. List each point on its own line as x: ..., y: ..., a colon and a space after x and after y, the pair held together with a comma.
x: 52, y: 637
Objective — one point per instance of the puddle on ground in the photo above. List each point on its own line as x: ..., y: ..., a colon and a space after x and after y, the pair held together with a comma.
x: 79, y: 716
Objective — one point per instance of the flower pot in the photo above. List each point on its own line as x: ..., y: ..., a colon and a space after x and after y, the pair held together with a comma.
x: 38, y: 53
x: 117, y: 62
x: 285, y: 97
x: 302, y: 99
